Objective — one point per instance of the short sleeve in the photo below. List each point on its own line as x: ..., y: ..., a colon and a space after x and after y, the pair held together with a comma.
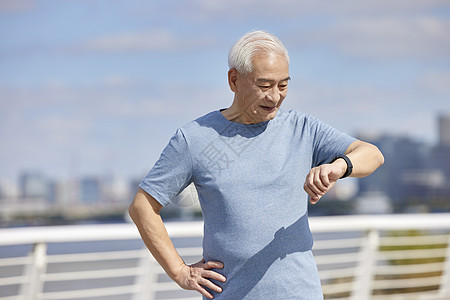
x: 172, y: 173
x: 328, y: 142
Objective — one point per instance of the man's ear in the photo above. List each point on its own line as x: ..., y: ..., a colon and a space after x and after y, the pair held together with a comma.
x: 233, y: 76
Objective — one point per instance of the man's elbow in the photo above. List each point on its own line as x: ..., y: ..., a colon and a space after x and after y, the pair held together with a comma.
x: 132, y: 210
x: 136, y: 207
x: 379, y: 157
x: 373, y: 160
x: 143, y: 203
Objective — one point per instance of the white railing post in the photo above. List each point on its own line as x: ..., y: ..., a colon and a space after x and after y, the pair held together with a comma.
x: 146, y: 280
x: 444, y: 288
x: 363, y: 283
x: 34, y: 285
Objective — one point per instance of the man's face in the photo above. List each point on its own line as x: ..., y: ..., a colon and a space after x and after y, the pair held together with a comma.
x: 260, y: 93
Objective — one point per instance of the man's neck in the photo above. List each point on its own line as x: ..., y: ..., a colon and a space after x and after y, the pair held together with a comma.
x: 234, y: 114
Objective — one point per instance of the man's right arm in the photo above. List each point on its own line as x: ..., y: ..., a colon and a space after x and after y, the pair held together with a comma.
x: 145, y: 213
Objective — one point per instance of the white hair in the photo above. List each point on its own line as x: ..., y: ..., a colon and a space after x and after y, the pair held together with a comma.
x: 251, y: 44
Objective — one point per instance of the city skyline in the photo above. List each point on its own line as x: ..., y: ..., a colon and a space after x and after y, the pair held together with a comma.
x: 413, y: 181
x: 88, y: 88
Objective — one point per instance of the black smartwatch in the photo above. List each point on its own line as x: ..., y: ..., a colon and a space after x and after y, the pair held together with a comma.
x: 348, y: 162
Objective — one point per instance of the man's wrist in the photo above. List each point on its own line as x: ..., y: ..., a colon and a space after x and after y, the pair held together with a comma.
x: 341, y: 165
x: 346, y: 164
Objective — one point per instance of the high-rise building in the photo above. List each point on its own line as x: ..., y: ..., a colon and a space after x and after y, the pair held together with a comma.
x: 444, y: 130
x: 403, y: 156
x: 440, y: 154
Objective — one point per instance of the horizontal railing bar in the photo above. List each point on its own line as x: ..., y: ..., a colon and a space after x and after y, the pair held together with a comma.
x: 407, y: 296
x: 336, y: 288
x: 60, y: 234
x: 190, y: 251
x: 337, y: 244
x: 96, y: 256
x: 15, y: 261
x: 408, y: 269
x: 158, y: 270
x: 406, y: 283
x: 192, y: 298
x: 166, y: 286
x: 336, y: 258
x: 50, y: 234
x: 412, y: 254
x: 414, y: 240
x: 12, y: 297
x: 337, y: 273
x: 13, y: 280
x: 90, y: 293
x: 109, y: 273
x: 353, y: 223
x: 77, y: 233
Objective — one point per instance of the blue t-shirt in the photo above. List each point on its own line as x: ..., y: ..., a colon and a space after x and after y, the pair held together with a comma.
x: 249, y: 179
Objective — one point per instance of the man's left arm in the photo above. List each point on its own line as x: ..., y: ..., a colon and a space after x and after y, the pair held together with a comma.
x: 365, y: 158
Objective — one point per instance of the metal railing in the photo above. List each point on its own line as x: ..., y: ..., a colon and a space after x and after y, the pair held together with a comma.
x: 359, y: 257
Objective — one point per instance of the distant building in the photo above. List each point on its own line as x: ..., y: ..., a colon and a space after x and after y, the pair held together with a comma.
x: 65, y: 193
x: 441, y: 153
x: 133, y: 185
x: 403, y: 157
x: 116, y: 190
x: 375, y: 202
x: 90, y: 190
x: 414, y: 174
x: 444, y: 130
x: 34, y: 185
x: 8, y: 190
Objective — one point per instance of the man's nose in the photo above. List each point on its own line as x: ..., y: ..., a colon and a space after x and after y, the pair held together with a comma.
x: 273, y: 95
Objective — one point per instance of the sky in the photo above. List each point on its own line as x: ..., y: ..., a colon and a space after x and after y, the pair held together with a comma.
x: 92, y: 87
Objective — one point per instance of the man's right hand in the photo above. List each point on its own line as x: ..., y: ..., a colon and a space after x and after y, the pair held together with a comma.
x: 197, y: 276
x: 145, y: 213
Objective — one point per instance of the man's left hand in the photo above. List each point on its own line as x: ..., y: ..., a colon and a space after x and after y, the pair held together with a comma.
x: 322, y: 178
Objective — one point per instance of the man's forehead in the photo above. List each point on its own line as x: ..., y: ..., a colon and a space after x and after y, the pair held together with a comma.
x: 262, y: 79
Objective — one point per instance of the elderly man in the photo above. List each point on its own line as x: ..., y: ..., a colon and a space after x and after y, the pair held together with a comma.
x: 254, y: 166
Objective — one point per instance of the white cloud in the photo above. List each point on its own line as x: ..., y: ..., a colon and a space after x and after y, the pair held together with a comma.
x: 408, y: 29
x: 148, y: 40
x: 364, y: 108
x: 115, y: 80
x: 58, y: 114
x: 436, y: 83
x: 63, y: 130
x: 424, y: 38
x: 62, y: 117
x: 14, y: 6
x: 370, y: 8
x: 206, y: 10
x: 44, y: 128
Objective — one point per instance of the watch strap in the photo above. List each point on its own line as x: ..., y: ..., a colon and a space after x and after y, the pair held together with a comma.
x: 348, y: 162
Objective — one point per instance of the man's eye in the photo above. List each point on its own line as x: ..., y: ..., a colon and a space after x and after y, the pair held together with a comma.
x: 265, y: 86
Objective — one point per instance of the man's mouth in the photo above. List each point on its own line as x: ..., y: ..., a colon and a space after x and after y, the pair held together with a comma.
x: 268, y: 108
